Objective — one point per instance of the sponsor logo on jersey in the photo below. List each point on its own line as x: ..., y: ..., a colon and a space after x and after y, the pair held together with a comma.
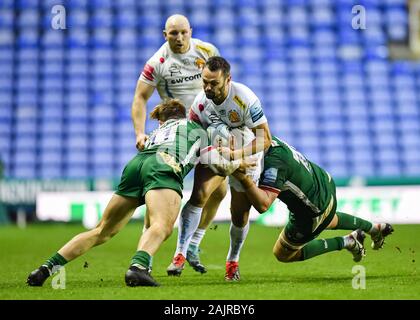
x: 256, y: 112
x: 270, y: 176
x: 175, y: 69
x: 234, y: 116
x: 186, y: 62
x: 239, y: 102
x: 148, y: 72
x: 199, y: 63
x: 206, y: 49
x: 213, y: 117
x: 200, y: 107
x: 186, y: 79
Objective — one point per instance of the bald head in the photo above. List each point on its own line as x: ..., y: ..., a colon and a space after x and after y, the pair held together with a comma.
x: 176, y: 21
x: 178, y: 33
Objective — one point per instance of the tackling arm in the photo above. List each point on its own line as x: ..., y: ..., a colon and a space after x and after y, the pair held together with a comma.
x: 260, y: 199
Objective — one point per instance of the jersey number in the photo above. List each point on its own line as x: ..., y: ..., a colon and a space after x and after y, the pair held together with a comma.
x: 161, y: 136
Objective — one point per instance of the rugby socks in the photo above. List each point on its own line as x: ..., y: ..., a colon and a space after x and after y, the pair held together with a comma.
x: 320, y: 246
x: 142, y: 260
x: 349, y: 222
x: 237, y: 239
x: 188, y: 224
x: 196, y: 238
x: 56, y: 260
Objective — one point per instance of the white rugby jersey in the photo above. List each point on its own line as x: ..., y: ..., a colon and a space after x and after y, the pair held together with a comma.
x: 178, y: 75
x: 240, y: 108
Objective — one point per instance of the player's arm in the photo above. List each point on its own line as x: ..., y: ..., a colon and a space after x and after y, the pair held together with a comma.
x: 261, y: 143
x: 138, y: 111
x: 261, y: 198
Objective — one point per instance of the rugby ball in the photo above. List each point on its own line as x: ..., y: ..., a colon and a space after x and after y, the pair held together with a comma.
x: 216, y: 162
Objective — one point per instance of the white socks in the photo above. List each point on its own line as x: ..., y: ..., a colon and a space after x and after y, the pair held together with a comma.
x: 188, y: 224
x: 237, y: 239
x: 197, y: 237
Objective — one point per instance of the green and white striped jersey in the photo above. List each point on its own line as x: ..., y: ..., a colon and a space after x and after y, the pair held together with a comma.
x: 178, y: 142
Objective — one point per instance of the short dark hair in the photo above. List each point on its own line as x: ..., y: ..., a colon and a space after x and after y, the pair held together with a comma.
x: 169, y: 109
x: 218, y: 63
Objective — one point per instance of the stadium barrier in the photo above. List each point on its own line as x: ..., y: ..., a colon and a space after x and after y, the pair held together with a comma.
x: 394, y: 204
x: 393, y: 200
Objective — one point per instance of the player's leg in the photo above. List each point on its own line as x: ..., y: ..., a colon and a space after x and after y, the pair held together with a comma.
x: 344, y: 221
x: 207, y: 216
x: 377, y: 231
x: 240, y: 207
x: 297, y: 240
x: 288, y: 249
x: 146, y: 225
x: 205, y: 182
x: 163, y: 208
x: 117, y: 213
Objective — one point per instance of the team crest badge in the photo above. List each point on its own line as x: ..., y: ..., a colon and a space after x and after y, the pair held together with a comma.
x: 234, y: 116
x: 199, y: 63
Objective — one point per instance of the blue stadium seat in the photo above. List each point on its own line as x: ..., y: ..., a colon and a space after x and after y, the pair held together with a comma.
x: 70, y: 92
x: 27, y: 171
x: 50, y: 141
x: 6, y: 18
x: 77, y: 171
x: 50, y: 171
x: 77, y: 142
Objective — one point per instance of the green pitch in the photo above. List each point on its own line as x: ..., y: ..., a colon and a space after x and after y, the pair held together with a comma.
x: 391, y: 273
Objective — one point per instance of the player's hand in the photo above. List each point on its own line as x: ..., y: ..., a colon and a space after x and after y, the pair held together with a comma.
x: 229, y: 153
x: 141, y: 140
x: 246, y: 163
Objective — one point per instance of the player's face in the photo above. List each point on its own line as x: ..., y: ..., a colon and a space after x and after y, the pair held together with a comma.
x: 215, y: 85
x: 178, y: 37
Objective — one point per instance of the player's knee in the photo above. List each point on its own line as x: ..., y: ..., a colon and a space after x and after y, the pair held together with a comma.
x: 103, y: 237
x: 199, y: 197
x: 240, y: 220
x: 284, y: 255
x: 166, y: 230
x: 103, y: 233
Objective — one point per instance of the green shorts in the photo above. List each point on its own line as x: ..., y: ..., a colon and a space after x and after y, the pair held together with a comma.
x: 303, y: 228
x: 146, y: 172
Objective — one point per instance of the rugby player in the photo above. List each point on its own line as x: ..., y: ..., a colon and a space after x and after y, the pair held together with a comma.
x: 310, y: 195
x: 234, y: 105
x: 153, y: 177
x: 175, y: 71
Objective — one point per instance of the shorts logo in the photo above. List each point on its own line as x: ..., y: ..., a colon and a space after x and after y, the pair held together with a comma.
x: 234, y: 116
x: 270, y: 176
x: 199, y: 62
x: 170, y: 161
